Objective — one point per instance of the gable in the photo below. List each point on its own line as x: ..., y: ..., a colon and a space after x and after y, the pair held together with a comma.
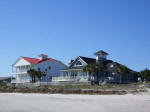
x: 21, y: 62
x: 78, y: 62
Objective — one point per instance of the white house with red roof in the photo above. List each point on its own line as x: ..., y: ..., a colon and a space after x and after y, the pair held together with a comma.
x: 50, y: 66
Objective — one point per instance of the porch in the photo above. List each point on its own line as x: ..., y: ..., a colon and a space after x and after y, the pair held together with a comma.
x: 71, y: 76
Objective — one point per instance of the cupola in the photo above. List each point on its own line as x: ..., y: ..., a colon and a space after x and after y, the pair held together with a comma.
x: 101, y: 55
x: 42, y: 56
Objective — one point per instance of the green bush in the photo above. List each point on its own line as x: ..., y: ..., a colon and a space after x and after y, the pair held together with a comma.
x: 145, y: 75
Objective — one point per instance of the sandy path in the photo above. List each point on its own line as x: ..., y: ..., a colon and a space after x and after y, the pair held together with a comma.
x: 73, y: 103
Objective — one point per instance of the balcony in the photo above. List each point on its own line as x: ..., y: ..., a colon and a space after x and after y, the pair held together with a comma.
x: 19, y: 72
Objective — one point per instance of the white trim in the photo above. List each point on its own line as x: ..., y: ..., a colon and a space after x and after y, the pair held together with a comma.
x: 73, y: 62
x: 21, y: 58
x: 17, y: 60
x: 83, y: 60
x: 76, y: 59
x: 76, y: 63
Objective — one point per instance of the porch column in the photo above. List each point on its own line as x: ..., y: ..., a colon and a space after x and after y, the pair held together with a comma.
x: 69, y: 73
x: 88, y: 76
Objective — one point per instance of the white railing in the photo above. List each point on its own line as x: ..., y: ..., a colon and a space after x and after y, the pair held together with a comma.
x: 64, y: 78
x: 67, y: 78
x: 19, y: 72
x: 19, y: 81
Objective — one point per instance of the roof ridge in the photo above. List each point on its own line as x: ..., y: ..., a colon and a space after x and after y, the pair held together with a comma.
x: 29, y: 57
x: 86, y: 57
x: 36, y: 60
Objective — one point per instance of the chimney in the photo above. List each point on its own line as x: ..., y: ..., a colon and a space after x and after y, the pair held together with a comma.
x: 42, y: 56
x: 100, y: 56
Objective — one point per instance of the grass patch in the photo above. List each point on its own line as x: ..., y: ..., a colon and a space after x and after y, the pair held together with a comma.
x: 107, y: 89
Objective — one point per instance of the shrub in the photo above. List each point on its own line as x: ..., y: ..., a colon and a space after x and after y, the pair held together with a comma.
x: 145, y: 75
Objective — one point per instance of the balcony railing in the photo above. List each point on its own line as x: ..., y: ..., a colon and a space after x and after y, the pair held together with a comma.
x: 19, y: 72
x: 20, y: 80
x: 67, y: 78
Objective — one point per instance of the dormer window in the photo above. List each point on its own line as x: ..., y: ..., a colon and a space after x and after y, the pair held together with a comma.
x: 78, y: 63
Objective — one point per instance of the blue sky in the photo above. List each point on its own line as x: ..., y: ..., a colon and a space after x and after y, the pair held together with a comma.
x: 65, y: 29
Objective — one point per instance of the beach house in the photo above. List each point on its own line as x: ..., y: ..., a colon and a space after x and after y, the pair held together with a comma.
x: 75, y: 72
x: 50, y: 66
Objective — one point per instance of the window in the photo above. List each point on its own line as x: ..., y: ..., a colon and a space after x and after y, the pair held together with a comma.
x: 78, y: 63
x: 49, y: 67
x: 73, y: 74
x: 45, y: 70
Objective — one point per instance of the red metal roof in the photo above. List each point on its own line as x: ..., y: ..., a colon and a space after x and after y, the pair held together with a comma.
x: 36, y: 61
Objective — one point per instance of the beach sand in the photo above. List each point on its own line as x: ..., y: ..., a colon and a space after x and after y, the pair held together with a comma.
x: 16, y: 102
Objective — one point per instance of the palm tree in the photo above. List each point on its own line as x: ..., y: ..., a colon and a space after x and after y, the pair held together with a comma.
x: 32, y: 73
x: 122, y: 70
x: 96, y: 68
x: 40, y: 74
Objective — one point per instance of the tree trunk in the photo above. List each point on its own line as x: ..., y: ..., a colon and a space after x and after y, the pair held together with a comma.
x: 32, y: 78
x: 104, y: 76
x: 40, y: 81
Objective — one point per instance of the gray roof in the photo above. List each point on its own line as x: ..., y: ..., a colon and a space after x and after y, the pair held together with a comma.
x: 93, y: 60
x: 88, y: 60
x: 101, y: 52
